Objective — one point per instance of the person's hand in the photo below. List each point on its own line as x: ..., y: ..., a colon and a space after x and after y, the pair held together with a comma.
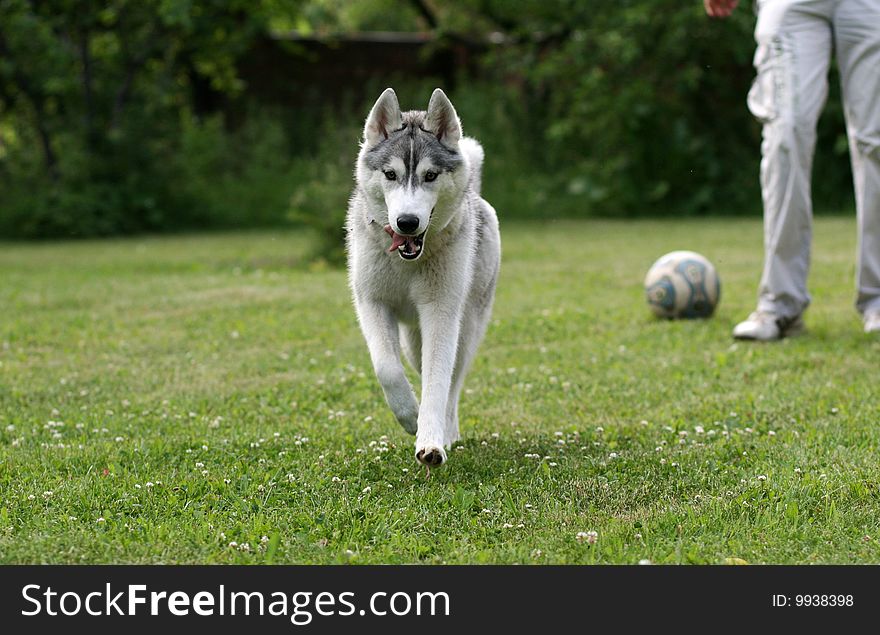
x: 720, y: 8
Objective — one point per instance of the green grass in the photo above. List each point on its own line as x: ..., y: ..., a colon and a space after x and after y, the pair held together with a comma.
x: 195, y: 391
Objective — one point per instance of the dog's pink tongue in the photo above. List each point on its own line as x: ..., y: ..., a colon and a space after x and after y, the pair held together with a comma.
x: 396, y: 239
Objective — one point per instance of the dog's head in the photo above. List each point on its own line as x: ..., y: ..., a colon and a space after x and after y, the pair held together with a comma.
x: 411, y: 169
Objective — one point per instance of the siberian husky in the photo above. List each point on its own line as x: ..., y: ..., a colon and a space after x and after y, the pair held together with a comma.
x: 423, y: 259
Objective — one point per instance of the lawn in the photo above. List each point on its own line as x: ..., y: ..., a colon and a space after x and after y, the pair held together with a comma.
x: 209, y: 399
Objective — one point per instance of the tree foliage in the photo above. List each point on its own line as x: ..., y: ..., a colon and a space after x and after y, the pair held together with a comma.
x: 103, y: 91
x: 611, y: 107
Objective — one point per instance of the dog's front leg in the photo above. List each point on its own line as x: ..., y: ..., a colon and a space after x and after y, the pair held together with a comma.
x: 440, y: 327
x: 380, y: 330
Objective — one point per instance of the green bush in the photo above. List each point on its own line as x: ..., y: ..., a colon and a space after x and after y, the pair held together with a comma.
x: 625, y: 108
x: 203, y: 176
x: 97, y: 133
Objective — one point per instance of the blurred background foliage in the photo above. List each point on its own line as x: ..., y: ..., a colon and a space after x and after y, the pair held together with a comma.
x: 127, y: 116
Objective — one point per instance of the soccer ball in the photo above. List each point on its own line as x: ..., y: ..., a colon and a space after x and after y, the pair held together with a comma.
x: 682, y: 284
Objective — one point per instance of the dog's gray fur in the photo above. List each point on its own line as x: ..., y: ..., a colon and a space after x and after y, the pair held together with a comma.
x: 434, y: 307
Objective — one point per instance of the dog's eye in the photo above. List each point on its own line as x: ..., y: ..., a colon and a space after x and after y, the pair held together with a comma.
x: 391, y: 175
x: 430, y: 176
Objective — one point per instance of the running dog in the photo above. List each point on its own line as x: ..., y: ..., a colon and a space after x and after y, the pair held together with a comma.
x: 424, y: 254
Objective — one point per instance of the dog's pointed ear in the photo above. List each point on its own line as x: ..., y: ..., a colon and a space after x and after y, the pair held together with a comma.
x: 384, y: 118
x: 442, y: 119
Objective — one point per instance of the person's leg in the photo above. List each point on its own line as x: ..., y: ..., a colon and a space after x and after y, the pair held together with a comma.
x: 857, y: 43
x: 787, y: 96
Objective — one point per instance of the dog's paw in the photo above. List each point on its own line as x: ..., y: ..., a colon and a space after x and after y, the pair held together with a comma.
x: 431, y: 455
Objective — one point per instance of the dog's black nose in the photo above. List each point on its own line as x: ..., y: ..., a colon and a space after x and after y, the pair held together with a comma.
x: 408, y: 223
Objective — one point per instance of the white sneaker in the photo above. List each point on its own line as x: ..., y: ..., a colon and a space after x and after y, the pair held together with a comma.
x: 872, y: 321
x: 768, y: 327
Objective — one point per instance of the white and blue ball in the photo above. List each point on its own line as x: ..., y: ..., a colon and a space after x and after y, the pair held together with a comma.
x: 682, y: 284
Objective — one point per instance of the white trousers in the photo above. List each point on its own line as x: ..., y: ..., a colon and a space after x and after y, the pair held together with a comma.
x: 795, y: 41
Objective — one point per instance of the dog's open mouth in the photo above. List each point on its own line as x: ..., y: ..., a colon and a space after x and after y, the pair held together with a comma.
x: 408, y: 247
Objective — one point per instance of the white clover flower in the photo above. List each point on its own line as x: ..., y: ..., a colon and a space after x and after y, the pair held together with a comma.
x: 367, y: 490
x: 335, y: 479
x: 645, y: 561
x: 762, y: 477
x: 507, y: 526
x: 590, y: 537
x: 100, y: 520
x: 264, y: 539
x: 199, y: 464
x: 233, y: 544
x: 48, y: 494
x: 31, y: 497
